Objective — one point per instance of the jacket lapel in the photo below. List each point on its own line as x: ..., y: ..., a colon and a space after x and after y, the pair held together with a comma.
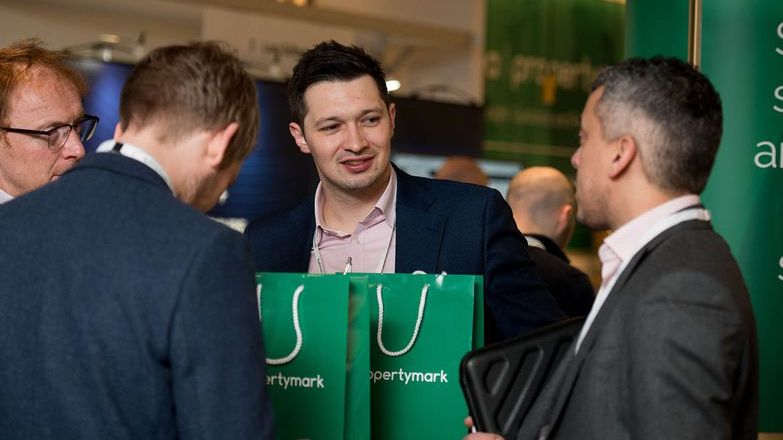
x: 294, y: 255
x: 419, y: 229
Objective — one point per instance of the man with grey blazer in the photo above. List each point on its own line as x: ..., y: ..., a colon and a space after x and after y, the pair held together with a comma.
x: 125, y: 313
x: 669, y: 347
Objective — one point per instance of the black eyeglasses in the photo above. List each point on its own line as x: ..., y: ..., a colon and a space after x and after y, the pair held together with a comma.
x: 57, y: 136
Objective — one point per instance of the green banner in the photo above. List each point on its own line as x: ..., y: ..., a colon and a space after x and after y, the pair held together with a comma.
x: 541, y: 58
x: 742, y: 53
x: 540, y: 61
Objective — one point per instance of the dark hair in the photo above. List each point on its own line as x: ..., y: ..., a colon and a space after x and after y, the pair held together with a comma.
x: 21, y: 56
x: 189, y: 88
x: 331, y: 61
x: 672, y: 111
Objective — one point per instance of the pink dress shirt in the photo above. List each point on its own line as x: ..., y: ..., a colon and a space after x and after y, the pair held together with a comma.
x: 370, y: 245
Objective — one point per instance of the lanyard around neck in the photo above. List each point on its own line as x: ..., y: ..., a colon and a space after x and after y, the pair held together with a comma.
x: 136, y: 153
x: 381, y: 263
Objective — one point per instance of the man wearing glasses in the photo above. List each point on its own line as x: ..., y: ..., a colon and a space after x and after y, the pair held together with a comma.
x: 42, y: 122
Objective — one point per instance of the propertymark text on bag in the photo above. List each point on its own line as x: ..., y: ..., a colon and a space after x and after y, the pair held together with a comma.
x: 409, y: 376
x: 295, y: 381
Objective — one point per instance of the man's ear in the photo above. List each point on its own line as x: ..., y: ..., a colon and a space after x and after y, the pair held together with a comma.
x: 218, y: 144
x: 298, y: 134
x: 564, y: 225
x: 624, y: 154
x: 392, y: 114
x: 563, y: 220
x: 118, y: 131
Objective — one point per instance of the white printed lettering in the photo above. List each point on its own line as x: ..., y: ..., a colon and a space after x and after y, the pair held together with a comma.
x: 407, y: 377
x: 780, y: 35
x: 779, y: 97
x: 780, y: 277
x: 295, y: 381
x: 770, y: 154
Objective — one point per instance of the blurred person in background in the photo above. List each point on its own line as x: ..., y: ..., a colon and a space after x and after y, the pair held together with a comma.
x: 462, y: 169
x: 544, y: 207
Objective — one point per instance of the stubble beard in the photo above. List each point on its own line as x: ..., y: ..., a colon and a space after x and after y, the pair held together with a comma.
x: 363, y: 185
x: 593, y: 207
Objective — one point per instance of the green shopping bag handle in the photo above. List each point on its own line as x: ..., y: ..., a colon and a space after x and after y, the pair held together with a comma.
x: 419, y: 318
x: 297, y: 329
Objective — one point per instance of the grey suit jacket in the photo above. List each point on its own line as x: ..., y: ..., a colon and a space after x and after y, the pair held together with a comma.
x: 125, y: 314
x: 672, y: 352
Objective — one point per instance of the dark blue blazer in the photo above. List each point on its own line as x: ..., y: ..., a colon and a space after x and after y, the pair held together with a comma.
x: 125, y: 314
x: 569, y: 286
x: 441, y: 226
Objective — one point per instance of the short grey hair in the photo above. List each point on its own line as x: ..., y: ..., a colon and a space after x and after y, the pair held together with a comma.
x: 673, y: 113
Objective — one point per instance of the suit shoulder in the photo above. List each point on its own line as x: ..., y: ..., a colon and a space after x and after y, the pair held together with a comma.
x: 694, y: 245
x: 282, y: 220
x: 201, y: 229
x: 460, y: 190
x: 570, y: 286
x: 692, y: 266
x: 545, y: 259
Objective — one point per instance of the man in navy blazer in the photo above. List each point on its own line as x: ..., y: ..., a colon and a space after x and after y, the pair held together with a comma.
x: 375, y: 217
x: 124, y: 312
x: 669, y: 348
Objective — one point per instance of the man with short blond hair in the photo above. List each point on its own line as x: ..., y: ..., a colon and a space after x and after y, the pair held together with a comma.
x: 42, y: 122
x: 124, y: 311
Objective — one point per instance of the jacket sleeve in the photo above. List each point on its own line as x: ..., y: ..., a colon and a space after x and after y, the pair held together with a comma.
x: 216, y: 347
x: 514, y: 293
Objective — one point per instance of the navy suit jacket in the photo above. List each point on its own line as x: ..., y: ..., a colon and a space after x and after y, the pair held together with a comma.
x: 671, y: 354
x: 441, y: 226
x: 125, y: 314
x: 569, y: 286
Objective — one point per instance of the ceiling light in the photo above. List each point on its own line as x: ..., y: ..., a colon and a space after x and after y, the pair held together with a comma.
x: 392, y: 85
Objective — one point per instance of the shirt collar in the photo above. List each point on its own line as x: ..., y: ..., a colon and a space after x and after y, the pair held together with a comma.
x: 137, y: 153
x: 624, y: 242
x: 5, y: 197
x: 384, y: 205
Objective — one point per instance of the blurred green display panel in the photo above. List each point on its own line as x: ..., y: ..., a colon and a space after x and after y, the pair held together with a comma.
x: 541, y: 58
x: 742, y: 53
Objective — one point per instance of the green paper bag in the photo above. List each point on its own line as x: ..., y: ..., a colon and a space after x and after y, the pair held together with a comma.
x: 419, y: 335
x: 316, y: 360
x: 357, y: 414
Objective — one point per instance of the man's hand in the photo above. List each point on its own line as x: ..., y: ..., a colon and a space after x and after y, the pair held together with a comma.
x: 478, y: 435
